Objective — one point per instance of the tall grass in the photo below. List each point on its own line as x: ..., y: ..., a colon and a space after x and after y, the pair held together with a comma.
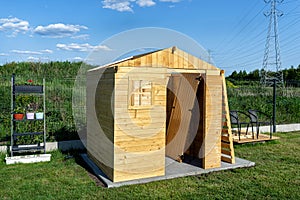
x: 256, y: 97
x: 60, y: 77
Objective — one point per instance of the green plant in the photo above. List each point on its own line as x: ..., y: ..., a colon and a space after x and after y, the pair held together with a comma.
x: 19, y: 110
x: 24, y: 100
x: 40, y: 110
x: 27, y: 82
x: 32, y: 107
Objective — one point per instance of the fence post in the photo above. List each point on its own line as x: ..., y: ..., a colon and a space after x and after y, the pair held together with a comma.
x: 274, y: 105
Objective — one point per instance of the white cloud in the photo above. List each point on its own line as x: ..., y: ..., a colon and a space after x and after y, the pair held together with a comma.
x: 33, y: 59
x: 119, y: 5
x: 58, y: 30
x: 127, y: 5
x: 77, y: 59
x: 26, y: 52
x: 14, y: 25
x: 3, y: 54
x: 82, y: 37
x: 47, y: 51
x: 145, y: 3
x: 82, y: 47
x: 172, y: 1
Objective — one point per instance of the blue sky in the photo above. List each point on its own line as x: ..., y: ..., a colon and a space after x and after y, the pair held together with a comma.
x: 234, y: 31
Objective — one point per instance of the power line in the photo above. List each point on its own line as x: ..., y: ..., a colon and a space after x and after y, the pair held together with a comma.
x: 238, y: 25
x: 243, y: 52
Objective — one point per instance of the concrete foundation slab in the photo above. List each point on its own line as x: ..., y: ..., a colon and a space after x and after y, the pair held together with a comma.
x: 173, y: 170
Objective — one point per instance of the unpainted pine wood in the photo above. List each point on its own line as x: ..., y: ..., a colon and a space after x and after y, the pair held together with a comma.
x: 195, y: 148
x: 135, y: 168
x: 180, y: 59
x: 226, y: 159
x: 227, y: 132
x: 100, y: 141
x: 125, y: 176
x: 213, y: 123
x: 154, y: 60
x: 141, y: 69
x: 139, y: 131
x: 185, y: 63
x: 225, y: 138
x: 166, y: 57
x: 214, y: 72
x: 225, y: 145
x: 144, y: 148
x: 129, y: 135
x: 134, y: 159
x: 121, y: 120
x: 180, y: 119
x: 176, y: 62
x: 172, y: 58
x: 226, y: 152
x: 149, y: 60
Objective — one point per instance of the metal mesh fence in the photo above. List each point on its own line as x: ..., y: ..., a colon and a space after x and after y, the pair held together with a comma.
x: 60, y: 125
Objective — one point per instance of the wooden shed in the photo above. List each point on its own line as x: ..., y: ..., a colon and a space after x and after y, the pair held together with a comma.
x: 165, y: 103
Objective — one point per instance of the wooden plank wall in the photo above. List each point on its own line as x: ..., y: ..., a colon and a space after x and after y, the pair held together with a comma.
x: 139, y: 133
x: 100, y: 108
x: 213, y: 122
x: 172, y: 58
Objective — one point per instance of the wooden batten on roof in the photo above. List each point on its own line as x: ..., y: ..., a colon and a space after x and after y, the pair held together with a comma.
x: 172, y: 58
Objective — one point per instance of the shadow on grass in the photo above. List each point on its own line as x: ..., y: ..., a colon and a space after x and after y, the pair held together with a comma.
x: 76, y: 155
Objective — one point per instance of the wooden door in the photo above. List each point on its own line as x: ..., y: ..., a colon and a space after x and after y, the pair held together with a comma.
x: 181, y: 108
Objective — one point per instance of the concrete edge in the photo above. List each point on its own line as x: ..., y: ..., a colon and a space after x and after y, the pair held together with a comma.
x: 279, y: 128
x: 240, y: 163
x: 52, y: 146
x: 28, y: 159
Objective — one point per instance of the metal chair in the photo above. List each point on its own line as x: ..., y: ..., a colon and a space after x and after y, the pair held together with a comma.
x: 235, y: 120
x: 254, y: 120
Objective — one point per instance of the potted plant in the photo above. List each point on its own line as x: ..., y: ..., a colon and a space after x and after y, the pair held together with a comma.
x: 18, y: 113
x: 31, y: 108
x: 39, y: 114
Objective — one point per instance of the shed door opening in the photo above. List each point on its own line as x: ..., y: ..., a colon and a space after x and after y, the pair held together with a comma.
x: 183, y: 114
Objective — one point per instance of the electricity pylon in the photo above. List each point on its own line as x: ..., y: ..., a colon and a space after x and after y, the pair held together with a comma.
x: 271, y: 69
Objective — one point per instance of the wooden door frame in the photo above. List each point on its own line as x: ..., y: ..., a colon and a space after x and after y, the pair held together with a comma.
x: 170, y: 115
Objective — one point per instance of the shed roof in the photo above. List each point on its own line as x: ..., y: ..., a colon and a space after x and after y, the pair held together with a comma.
x: 172, y: 57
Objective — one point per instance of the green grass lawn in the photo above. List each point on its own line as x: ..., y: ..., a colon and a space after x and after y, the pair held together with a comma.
x: 275, y: 176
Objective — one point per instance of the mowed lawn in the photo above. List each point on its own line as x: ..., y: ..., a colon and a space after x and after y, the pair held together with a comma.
x: 275, y: 176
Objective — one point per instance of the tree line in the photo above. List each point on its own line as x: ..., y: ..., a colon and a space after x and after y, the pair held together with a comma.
x: 291, y: 76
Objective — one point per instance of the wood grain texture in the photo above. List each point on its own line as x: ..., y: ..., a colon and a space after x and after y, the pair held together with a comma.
x: 213, y: 122
x: 177, y: 59
x: 227, y: 137
x: 100, y: 118
x: 139, y: 133
x: 128, y: 142
x: 181, y: 123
